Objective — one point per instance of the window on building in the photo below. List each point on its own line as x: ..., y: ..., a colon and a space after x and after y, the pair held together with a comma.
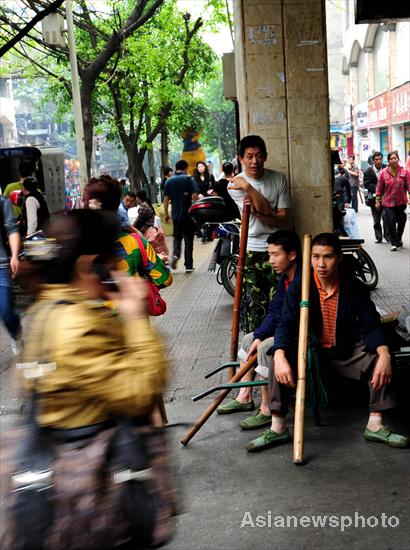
x: 380, y: 61
x: 361, y: 77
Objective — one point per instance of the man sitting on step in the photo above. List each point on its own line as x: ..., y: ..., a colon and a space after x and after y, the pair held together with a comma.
x: 351, y: 340
x: 284, y: 255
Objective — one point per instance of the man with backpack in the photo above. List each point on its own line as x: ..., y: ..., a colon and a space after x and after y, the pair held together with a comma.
x: 181, y: 189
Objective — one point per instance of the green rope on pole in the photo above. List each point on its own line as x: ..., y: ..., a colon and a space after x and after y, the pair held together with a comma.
x: 305, y: 303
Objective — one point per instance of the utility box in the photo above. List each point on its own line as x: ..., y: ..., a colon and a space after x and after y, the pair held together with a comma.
x: 52, y: 28
x: 49, y: 172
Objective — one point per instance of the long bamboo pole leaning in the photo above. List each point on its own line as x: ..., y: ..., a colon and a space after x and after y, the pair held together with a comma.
x: 232, y: 377
x: 239, y: 285
x: 302, y: 354
x: 216, y: 402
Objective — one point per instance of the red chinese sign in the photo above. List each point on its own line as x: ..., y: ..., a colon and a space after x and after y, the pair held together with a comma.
x: 379, y: 111
x: 400, y: 104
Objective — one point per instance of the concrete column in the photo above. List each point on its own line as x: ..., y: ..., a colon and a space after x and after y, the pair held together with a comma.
x: 370, y: 74
x: 393, y: 59
x: 281, y: 70
x: 354, y: 84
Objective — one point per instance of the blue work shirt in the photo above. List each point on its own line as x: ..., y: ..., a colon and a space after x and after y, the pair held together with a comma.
x: 123, y: 216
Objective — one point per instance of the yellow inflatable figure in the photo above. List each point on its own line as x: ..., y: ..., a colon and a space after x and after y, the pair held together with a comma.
x: 192, y: 151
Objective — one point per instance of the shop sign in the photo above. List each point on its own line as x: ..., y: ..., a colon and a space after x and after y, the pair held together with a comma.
x: 400, y: 104
x: 378, y: 111
x: 361, y: 116
x: 348, y: 114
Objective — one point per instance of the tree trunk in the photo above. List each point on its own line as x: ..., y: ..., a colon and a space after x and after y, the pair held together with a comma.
x: 164, y: 150
x: 136, y: 173
x: 86, y: 99
x: 132, y: 171
x: 151, y: 163
x: 142, y: 176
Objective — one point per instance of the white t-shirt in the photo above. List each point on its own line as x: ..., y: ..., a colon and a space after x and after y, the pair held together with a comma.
x: 32, y: 206
x: 273, y: 186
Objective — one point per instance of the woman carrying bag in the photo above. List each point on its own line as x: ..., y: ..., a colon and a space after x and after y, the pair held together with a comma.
x: 86, y: 471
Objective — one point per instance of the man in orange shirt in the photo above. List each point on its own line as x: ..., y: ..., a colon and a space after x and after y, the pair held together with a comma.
x: 351, y: 342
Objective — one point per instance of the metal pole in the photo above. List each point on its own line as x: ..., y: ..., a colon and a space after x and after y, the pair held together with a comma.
x: 75, y: 84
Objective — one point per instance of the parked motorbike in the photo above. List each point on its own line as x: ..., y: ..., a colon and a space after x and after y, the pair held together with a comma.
x: 225, y: 254
x: 360, y: 261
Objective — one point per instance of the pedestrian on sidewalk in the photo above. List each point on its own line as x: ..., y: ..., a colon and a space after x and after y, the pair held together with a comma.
x: 353, y: 173
x: 392, y: 194
x: 341, y: 189
x: 147, y: 223
x: 104, y: 193
x: 181, y: 190
x: 9, y: 265
x: 126, y: 204
x: 266, y: 191
x: 146, y: 212
x: 220, y: 188
x: 370, y: 178
x: 93, y: 378
x: 27, y: 168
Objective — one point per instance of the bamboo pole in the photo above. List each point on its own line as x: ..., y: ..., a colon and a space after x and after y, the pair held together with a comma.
x: 217, y: 401
x: 302, y: 353
x: 238, y: 288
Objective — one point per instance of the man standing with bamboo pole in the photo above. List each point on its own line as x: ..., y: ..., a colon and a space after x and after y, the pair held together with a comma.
x: 266, y: 191
x: 351, y: 343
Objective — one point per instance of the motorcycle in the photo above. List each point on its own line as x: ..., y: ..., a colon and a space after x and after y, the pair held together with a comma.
x: 225, y: 254
x: 210, y: 212
x: 360, y: 261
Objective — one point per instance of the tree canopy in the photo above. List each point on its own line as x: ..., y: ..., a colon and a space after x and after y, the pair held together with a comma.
x: 142, y: 65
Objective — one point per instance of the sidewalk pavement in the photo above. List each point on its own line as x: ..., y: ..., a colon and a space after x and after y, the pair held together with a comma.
x: 223, y: 486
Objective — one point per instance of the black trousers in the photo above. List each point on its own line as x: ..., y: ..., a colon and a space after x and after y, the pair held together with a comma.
x: 378, y: 217
x: 396, y: 221
x: 355, y: 201
x: 184, y: 229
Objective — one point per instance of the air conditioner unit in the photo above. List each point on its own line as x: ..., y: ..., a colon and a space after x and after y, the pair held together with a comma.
x: 52, y: 28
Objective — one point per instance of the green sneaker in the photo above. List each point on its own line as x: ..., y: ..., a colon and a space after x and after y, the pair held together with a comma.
x: 388, y: 437
x: 255, y: 420
x: 268, y: 439
x: 235, y: 407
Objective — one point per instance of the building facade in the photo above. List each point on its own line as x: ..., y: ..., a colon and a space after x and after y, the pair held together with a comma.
x: 7, y: 114
x: 376, y: 66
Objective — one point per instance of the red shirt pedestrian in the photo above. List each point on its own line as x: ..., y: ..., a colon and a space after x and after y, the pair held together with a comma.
x: 391, y: 191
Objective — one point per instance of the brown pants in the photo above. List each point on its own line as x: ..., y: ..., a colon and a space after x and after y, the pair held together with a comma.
x: 360, y: 364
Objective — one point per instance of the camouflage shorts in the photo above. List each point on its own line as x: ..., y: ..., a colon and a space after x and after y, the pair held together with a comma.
x: 259, y: 287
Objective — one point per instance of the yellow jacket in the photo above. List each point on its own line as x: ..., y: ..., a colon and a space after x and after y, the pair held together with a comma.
x: 104, y: 367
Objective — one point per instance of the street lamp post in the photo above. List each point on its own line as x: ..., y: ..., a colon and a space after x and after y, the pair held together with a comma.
x: 78, y: 115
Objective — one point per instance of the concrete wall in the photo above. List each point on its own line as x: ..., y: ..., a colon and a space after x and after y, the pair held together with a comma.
x: 281, y: 71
